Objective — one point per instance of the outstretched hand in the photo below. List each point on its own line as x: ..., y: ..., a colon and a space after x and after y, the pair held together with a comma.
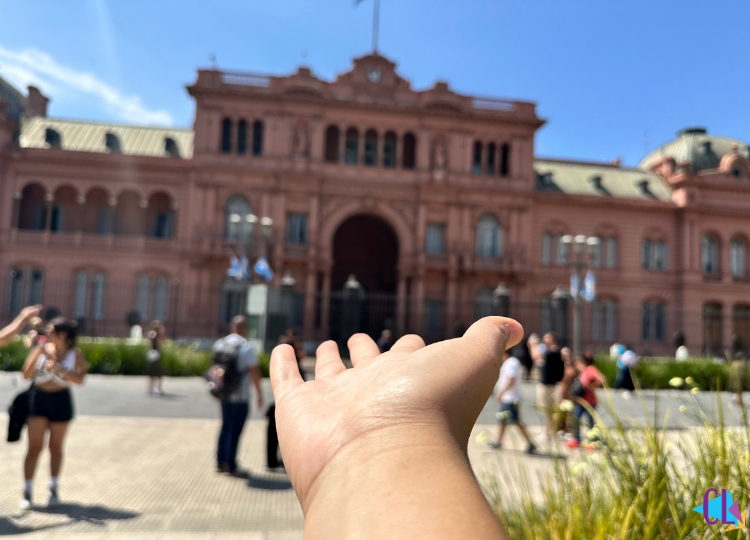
x: 411, y: 399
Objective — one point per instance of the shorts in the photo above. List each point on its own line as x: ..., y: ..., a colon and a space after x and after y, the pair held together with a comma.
x: 511, y: 413
x: 545, y: 397
x: 154, y: 369
x: 54, y: 406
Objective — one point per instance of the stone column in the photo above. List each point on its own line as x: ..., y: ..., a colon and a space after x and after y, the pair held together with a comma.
x: 16, y: 211
x: 419, y: 300
x: 49, y: 199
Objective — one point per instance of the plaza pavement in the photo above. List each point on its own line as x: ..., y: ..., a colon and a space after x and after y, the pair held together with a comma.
x: 143, y: 467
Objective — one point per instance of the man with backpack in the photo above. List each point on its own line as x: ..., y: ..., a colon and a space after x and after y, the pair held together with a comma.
x: 235, y: 362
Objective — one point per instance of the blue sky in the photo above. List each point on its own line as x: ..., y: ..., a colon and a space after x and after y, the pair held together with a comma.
x: 611, y: 78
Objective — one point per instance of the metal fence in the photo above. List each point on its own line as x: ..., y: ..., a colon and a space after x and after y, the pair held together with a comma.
x: 102, y: 309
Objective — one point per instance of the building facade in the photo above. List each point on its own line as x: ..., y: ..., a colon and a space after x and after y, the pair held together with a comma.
x: 429, y: 197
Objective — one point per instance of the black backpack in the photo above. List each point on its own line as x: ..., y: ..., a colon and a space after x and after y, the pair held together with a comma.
x: 223, y: 376
x: 577, y: 389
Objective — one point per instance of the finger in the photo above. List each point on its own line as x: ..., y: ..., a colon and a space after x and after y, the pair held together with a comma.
x: 328, y: 360
x: 285, y: 374
x: 408, y: 344
x: 362, y: 349
x: 492, y: 335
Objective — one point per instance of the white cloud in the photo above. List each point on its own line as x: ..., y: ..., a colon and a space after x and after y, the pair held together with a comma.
x: 31, y: 66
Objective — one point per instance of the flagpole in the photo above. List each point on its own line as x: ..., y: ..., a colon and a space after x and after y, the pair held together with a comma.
x: 375, y: 24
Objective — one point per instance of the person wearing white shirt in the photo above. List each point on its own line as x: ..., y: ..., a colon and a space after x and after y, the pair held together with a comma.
x: 508, y: 394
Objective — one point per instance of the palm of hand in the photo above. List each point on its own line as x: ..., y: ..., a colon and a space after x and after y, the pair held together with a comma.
x: 382, y: 400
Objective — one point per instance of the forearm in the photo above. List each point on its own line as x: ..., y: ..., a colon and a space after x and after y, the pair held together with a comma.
x: 12, y: 330
x: 29, y: 366
x: 363, y: 488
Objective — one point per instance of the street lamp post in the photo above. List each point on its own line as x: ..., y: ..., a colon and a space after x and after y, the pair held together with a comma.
x: 501, y: 300
x: 582, y: 248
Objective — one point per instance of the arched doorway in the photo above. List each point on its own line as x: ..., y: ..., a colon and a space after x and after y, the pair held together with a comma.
x: 367, y: 247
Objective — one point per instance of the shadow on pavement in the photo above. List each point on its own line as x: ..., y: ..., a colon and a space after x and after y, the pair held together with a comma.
x: 269, y: 484
x: 96, y: 515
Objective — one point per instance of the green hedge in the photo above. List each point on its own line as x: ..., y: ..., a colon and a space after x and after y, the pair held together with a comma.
x: 114, y: 356
x: 652, y: 374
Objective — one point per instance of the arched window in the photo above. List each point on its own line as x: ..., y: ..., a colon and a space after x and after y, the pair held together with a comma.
x: 25, y: 288
x: 491, y: 154
x: 654, y: 255
x: 389, y: 150
x: 505, y: 159
x: 646, y: 255
x: 483, y: 305
x: 79, y: 296
x: 654, y: 321
x: 237, y: 218
x: 712, y: 328
x: 603, y: 320
x: 161, y: 216
x: 546, y: 248
x: 595, y: 254
x: 709, y: 255
x: 332, y: 144
x: 257, y: 138
x: 476, y: 163
x: 562, y: 251
x: 142, y: 301
x: 409, y: 158
x: 161, y: 297
x: 610, y: 257
x: 371, y: 148
x: 738, y: 257
x: 32, y: 213
x: 741, y: 324
x: 351, y: 147
x: 226, y: 135
x: 112, y: 142
x: 241, y: 137
x: 489, y: 237
x: 129, y: 217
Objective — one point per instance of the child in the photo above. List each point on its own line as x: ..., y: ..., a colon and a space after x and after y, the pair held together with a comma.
x: 508, y: 394
x: 591, y: 378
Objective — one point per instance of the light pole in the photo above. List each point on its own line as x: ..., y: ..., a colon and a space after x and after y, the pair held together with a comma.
x: 582, y: 248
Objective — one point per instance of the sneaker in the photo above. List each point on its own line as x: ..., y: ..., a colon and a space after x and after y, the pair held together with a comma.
x: 54, y: 500
x: 26, y: 501
x: 223, y: 468
x: 531, y: 449
x: 494, y: 445
x: 625, y: 394
x: 572, y: 444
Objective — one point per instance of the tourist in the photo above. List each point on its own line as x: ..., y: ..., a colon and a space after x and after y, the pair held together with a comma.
x: 570, y: 372
x: 52, y: 369
x: 682, y: 353
x: 590, y: 379
x: 524, y: 356
x: 626, y: 366
x: 380, y: 450
x: 385, y: 342
x: 37, y: 335
x: 548, y: 359
x: 236, y: 407
x: 156, y: 336
x: 508, y: 394
x: 738, y: 375
x: 16, y: 327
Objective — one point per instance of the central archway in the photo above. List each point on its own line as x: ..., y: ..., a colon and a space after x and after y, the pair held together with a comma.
x: 366, y: 246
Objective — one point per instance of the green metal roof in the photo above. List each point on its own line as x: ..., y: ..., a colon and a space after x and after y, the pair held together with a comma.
x: 598, y: 179
x: 91, y: 137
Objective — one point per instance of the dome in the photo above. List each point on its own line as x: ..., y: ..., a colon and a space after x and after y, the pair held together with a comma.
x: 696, y: 146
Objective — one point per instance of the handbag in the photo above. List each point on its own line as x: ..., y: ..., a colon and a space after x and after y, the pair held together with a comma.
x: 19, y: 413
x: 577, y: 389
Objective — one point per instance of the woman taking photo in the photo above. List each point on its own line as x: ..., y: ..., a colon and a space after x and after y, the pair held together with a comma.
x: 52, y: 369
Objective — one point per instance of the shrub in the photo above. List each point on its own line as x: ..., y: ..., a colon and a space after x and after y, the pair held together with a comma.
x: 116, y: 356
x: 634, y: 486
x: 656, y: 375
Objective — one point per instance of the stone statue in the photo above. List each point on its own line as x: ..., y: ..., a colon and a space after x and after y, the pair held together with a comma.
x: 301, y: 143
x: 440, y: 160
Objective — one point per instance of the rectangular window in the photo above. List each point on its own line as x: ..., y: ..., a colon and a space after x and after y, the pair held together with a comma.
x: 646, y: 255
x: 97, y: 297
x: 15, y: 292
x: 611, y: 253
x: 296, y: 229
x: 654, y: 321
x: 596, y: 254
x: 563, y: 250
x: 79, y: 300
x: 161, y: 297
x: 546, y: 248
x: 104, y: 222
x: 603, y: 320
x: 163, y: 224
x: 36, y: 287
x: 546, y: 316
x: 142, y: 297
x: 57, y: 223
x: 435, y: 239
x: 660, y: 256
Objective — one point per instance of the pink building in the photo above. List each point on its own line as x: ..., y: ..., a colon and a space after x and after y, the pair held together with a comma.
x: 431, y: 198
